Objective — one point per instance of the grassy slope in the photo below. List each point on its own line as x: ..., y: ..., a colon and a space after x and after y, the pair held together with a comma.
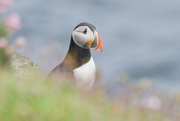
x: 33, y: 99
x: 25, y: 96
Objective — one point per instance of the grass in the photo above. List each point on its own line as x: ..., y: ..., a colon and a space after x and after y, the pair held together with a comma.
x: 31, y: 98
x: 26, y: 96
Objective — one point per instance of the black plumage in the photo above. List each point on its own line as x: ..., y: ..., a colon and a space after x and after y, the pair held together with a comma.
x: 76, y: 56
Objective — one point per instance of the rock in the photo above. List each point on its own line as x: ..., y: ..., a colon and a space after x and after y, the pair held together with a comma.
x: 23, y: 66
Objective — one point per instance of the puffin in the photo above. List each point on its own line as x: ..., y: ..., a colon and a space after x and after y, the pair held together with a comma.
x: 78, y: 64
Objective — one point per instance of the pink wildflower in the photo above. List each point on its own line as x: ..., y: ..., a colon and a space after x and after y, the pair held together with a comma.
x: 152, y: 102
x: 4, y: 5
x: 3, y: 42
x: 20, y: 42
x: 13, y: 22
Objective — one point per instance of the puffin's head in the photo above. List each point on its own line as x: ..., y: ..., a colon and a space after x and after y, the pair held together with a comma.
x: 85, y: 35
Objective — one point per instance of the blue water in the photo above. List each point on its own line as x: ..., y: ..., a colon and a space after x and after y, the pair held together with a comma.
x: 140, y: 38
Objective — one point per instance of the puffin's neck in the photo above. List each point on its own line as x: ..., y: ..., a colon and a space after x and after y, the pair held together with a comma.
x: 77, y: 56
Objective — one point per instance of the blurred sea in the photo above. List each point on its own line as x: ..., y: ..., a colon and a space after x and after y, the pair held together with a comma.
x: 140, y: 38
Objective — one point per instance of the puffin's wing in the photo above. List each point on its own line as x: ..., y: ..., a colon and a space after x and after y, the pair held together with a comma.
x: 57, y: 70
x: 60, y: 71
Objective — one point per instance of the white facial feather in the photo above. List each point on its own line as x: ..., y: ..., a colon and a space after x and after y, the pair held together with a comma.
x: 81, y: 38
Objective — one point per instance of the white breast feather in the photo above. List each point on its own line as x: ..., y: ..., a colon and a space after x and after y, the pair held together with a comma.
x: 85, y: 74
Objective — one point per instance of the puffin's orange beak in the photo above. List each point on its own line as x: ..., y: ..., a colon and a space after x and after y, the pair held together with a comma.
x: 99, y: 44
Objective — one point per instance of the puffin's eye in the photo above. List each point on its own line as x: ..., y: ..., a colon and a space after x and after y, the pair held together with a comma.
x: 85, y: 31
